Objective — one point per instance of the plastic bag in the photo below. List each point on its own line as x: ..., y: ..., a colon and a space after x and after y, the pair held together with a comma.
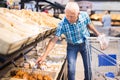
x: 104, y: 41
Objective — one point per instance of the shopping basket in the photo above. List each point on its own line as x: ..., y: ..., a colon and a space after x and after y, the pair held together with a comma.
x: 105, y: 64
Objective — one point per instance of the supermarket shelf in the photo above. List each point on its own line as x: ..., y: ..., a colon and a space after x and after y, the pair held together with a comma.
x: 25, y: 48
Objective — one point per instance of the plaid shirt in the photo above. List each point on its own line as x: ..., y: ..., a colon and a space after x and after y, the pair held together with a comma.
x: 75, y: 33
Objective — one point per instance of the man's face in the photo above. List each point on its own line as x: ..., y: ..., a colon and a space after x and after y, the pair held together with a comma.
x: 71, y: 16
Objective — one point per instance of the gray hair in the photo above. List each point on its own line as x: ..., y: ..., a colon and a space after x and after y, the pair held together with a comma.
x: 72, y: 6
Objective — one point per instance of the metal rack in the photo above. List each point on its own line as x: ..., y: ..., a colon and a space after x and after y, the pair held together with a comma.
x: 105, y: 62
x: 5, y: 67
x: 25, y: 48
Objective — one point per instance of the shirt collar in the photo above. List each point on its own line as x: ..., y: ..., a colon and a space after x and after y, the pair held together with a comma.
x: 72, y: 23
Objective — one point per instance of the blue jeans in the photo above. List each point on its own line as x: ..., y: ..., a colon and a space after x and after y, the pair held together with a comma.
x: 72, y: 51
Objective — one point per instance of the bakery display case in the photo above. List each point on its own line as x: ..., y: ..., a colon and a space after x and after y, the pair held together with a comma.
x: 23, y: 40
x: 54, y: 65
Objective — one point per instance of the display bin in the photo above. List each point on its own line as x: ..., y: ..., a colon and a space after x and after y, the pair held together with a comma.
x: 35, y: 37
x: 9, y: 74
x: 31, y: 39
x: 47, y: 32
x: 7, y: 48
x: 53, y: 30
x: 41, y: 35
x: 105, y: 64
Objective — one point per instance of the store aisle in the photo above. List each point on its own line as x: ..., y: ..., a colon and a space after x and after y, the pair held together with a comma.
x: 79, y: 68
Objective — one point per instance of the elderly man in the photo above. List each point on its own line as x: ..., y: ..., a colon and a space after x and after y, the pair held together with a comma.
x: 75, y: 27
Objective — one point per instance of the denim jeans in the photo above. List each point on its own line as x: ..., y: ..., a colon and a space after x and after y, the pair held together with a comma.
x: 72, y: 51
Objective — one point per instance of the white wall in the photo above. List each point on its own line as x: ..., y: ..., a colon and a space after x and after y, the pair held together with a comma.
x: 98, y: 5
x: 106, y: 5
x: 59, y: 1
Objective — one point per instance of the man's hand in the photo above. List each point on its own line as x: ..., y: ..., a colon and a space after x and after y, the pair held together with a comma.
x: 41, y: 59
x: 104, y: 41
x: 49, y: 47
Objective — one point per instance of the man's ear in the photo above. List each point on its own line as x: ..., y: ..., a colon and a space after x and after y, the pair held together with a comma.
x: 78, y: 13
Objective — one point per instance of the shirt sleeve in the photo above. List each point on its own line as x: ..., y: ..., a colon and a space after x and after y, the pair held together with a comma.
x: 88, y: 19
x: 59, y: 30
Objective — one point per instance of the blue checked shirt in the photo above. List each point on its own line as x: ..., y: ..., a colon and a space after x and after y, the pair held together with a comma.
x: 75, y: 33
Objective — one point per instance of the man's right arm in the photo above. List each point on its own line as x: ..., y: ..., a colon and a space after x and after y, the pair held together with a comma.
x: 49, y: 47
